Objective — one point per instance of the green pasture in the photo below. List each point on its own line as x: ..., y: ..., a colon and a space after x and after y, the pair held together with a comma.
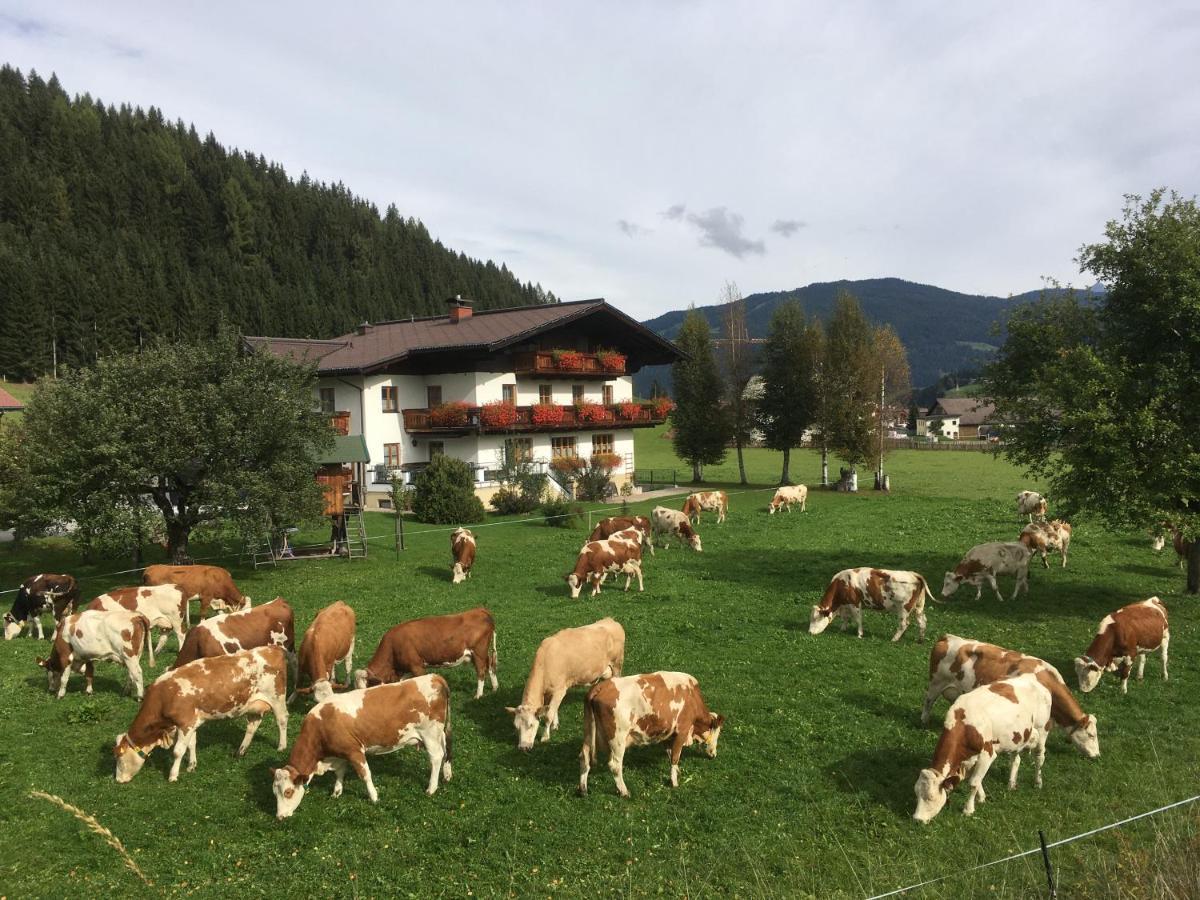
x: 810, y: 795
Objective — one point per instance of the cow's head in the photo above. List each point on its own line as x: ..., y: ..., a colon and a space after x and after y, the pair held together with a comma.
x: 322, y: 690
x: 526, y: 720
x: 1086, y: 738
x: 932, y: 790
x: 289, y: 787
x: 362, y: 679
x: 131, y: 758
x: 951, y: 584
x: 54, y: 671
x: 776, y: 502
x: 710, y: 735
x: 457, y: 575
x: 1088, y: 671
x: 819, y: 620
x: 11, y: 626
x: 575, y: 584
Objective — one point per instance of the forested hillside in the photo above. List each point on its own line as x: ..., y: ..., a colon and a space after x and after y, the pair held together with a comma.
x: 117, y: 224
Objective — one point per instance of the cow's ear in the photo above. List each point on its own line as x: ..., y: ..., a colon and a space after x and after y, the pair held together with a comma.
x: 717, y: 721
x: 41, y: 662
x: 951, y: 783
x: 511, y: 710
x: 272, y: 770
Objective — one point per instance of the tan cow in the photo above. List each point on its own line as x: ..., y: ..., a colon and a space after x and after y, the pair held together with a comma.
x: 342, y: 731
x: 565, y: 659
x: 984, y: 562
x: 888, y: 590
x: 408, y: 649
x: 958, y: 665
x: 1045, y: 537
x: 90, y: 635
x: 788, y: 495
x: 328, y: 641
x: 673, y: 523
x: 1182, y: 546
x: 620, y: 554
x: 1133, y: 630
x: 249, y: 683
x: 1032, y: 504
x: 271, y: 623
x: 462, y: 552
x: 211, y: 585
x: 606, y: 528
x: 714, y: 501
x: 163, y: 604
x: 645, y: 709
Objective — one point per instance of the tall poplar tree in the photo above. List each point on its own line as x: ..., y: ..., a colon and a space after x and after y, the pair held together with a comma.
x: 738, y: 365
x: 702, y: 426
x: 850, y: 381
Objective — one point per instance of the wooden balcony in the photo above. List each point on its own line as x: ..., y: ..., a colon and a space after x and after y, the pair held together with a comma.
x: 542, y: 363
x: 419, y: 421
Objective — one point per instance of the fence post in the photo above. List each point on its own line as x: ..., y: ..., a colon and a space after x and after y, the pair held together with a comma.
x: 399, y: 532
x: 1049, y: 868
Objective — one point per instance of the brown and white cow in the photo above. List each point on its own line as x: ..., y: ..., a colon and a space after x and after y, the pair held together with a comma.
x: 462, y: 553
x: 91, y: 635
x: 888, y: 590
x: 249, y: 683
x: 1032, y: 504
x: 984, y: 562
x: 342, y: 731
x: 1133, y: 630
x: 672, y: 523
x: 328, y: 641
x: 1008, y: 716
x: 1045, y: 537
x: 958, y: 665
x: 1182, y: 546
x: 620, y: 554
x: 38, y: 595
x: 260, y: 626
x: 606, y: 528
x: 211, y: 585
x: 163, y: 604
x: 565, y: 659
x: 645, y: 709
x: 713, y: 501
x: 408, y: 649
x: 788, y: 495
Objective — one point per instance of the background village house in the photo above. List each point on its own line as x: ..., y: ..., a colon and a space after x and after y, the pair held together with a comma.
x: 962, y: 419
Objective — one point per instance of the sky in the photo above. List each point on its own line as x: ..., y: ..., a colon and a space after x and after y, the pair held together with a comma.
x: 651, y: 152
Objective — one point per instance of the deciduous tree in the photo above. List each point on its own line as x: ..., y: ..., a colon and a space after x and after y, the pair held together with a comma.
x: 791, y: 359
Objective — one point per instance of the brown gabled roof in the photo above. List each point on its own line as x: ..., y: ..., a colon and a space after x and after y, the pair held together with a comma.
x: 968, y: 410
x: 9, y: 403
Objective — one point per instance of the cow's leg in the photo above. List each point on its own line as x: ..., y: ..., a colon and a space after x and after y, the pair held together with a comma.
x: 983, y: 762
x: 902, y: 626
x: 616, y: 765
x: 931, y: 695
x: 38, y: 621
x: 585, y: 753
x: 1141, y: 665
x: 1124, y: 670
x: 89, y: 673
x: 481, y: 664
x: 556, y: 700
x: 676, y: 750
x: 192, y: 748
x: 1045, y: 561
x: 183, y: 739
x: 252, y: 722
x: 349, y: 662
x: 62, y: 681
x: 134, y: 668
x: 921, y: 623
x: 1012, y: 771
x: 1040, y: 758
x: 435, y: 746
x: 858, y: 620
x: 1022, y: 582
x: 359, y: 761
x: 638, y: 571
x: 1166, y: 640
x: 340, y: 767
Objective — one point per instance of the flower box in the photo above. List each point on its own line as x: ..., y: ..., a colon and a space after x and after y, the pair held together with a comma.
x: 567, y: 466
x: 608, y: 461
x: 591, y: 412
x: 611, y: 360
x: 662, y: 407
x: 450, y: 415
x: 498, y: 414
x: 572, y: 360
x: 547, y: 414
x: 629, y: 410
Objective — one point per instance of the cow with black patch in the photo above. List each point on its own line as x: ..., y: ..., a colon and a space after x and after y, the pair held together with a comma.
x: 888, y: 590
x: 408, y: 649
x: 91, y: 635
x: 1132, y: 631
x: 37, y: 596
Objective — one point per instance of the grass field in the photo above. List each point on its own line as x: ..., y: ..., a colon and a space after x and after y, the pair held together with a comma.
x: 810, y: 795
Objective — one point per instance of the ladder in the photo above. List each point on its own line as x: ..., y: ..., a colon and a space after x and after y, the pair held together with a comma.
x: 356, y: 533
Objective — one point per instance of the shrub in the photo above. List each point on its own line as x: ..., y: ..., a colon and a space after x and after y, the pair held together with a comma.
x: 568, y: 359
x: 629, y: 410
x: 592, y: 481
x: 568, y: 467
x: 402, y: 496
x: 450, y: 415
x: 562, y: 513
x: 591, y: 412
x: 662, y: 406
x: 522, y: 486
x: 611, y: 360
x: 547, y: 414
x: 498, y: 414
x: 445, y: 493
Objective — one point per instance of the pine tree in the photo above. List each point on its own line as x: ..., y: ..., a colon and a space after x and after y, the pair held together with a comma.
x: 701, y: 423
x: 791, y: 359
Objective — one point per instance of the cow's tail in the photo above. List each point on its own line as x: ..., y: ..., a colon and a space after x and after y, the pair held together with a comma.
x: 493, y: 656
x: 449, y: 732
x: 147, y: 636
x: 928, y: 593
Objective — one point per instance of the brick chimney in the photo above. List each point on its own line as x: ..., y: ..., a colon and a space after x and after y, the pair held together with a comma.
x: 458, y: 309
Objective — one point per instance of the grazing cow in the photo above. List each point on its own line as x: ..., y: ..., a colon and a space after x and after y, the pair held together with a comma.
x: 715, y: 501
x: 671, y: 522
x: 883, y: 589
x: 328, y: 641
x: 1182, y: 546
x: 606, y: 528
x: 619, y: 554
x: 958, y: 665
x: 984, y: 562
x: 1044, y: 537
x: 645, y: 709
x: 249, y: 683
x: 1007, y: 716
x: 90, y: 635
x: 163, y: 604
x: 38, y: 595
x: 788, y: 495
x: 569, y: 657
x: 271, y: 623
x: 408, y: 649
x: 1157, y: 542
x: 462, y: 551
x: 342, y: 731
x: 211, y: 585
x: 1133, y: 630
x: 1032, y: 504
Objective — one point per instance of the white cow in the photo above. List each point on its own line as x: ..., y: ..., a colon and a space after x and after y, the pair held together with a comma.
x: 984, y: 562
x: 786, y: 496
x: 1032, y: 504
x: 671, y: 522
x: 91, y: 635
x: 163, y: 604
x: 888, y: 590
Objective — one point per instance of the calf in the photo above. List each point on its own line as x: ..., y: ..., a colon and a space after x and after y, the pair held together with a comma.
x: 619, y: 554
x: 606, y: 528
x: 958, y: 665
x: 788, y: 495
x: 90, y: 635
x: 984, y: 562
x: 271, y: 623
x: 342, y: 731
x: 408, y: 649
x: 883, y: 589
x: 328, y: 641
x: 716, y: 501
x: 1043, y: 537
x: 645, y: 709
x: 462, y: 552
x: 1007, y: 716
x: 671, y: 522
x: 569, y: 657
x: 211, y: 585
x: 248, y: 683
x: 1133, y: 630
x: 163, y: 604
x: 38, y: 595
x: 1032, y: 504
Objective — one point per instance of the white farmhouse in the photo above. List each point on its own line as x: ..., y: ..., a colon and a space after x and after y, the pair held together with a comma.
x: 538, y: 381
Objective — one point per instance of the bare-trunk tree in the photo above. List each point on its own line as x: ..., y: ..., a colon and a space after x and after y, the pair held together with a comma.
x: 739, y: 369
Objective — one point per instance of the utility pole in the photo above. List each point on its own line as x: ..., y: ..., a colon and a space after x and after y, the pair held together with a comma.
x: 882, y: 400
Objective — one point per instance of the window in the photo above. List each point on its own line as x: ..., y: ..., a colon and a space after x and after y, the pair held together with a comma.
x: 326, y: 402
x: 518, y: 448
x: 608, y: 395
x: 433, y: 395
x: 436, y: 449
x: 577, y: 393
x: 545, y: 393
x: 390, y: 398
x: 391, y: 456
x: 602, y: 443
x: 508, y: 393
x: 562, y: 446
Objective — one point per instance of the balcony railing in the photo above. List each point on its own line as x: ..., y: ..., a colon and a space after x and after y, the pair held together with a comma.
x: 417, y: 421
x: 584, y: 365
